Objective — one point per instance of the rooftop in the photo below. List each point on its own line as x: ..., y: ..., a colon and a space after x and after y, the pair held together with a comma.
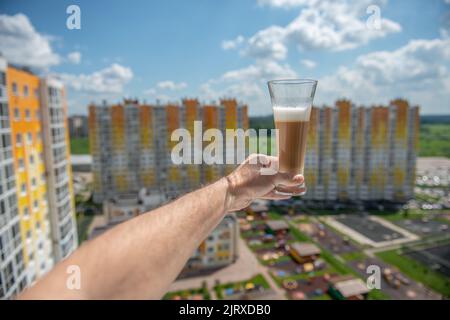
x: 350, y: 287
x: 277, y: 225
x: 84, y: 159
x: 304, y: 249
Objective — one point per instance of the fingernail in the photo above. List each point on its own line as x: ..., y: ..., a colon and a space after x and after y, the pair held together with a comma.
x: 299, y: 178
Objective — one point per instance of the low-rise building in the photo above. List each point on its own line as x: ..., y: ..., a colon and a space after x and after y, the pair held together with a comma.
x: 81, y: 163
x: 277, y: 227
x: 304, y: 252
x: 218, y: 250
x: 347, y: 288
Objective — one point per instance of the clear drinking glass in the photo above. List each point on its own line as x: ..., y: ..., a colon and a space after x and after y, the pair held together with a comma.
x: 292, y: 102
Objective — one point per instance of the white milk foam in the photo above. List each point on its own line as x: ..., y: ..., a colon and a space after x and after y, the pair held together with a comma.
x: 286, y: 114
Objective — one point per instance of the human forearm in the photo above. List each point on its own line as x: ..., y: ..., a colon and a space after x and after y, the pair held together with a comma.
x: 141, y: 257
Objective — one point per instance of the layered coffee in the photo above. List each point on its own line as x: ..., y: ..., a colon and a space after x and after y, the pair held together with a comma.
x: 292, y: 125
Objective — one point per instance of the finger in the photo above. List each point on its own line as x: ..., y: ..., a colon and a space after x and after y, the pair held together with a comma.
x: 272, y: 195
x: 295, y: 191
x: 260, y: 159
x: 289, y: 180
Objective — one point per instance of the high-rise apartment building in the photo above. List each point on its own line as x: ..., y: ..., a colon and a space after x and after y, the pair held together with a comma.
x: 13, y: 276
x: 131, y: 145
x: 35, y: 179
x: 29, y: 167
x: 60, y: 197
x: 131, y: 149
x: 359, y: 154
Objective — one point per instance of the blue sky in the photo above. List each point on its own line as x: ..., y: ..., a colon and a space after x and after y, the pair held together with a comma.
x: 171, y: 49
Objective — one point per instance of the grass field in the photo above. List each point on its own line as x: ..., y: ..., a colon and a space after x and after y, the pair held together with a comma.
x: 353, y: 256
x: 187, y: 293
x: 79, y: 145
x: 417, y: 271
x: 434, y: 140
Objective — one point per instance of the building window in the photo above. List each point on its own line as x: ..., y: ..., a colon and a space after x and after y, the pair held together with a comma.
x: 33, y: 182
x: 16, y: 114
x: 29, y: 138
x: 26, y: 212
x: 3, y: 78
x: 2, y: 207
x: 36, y: 204
x: 18, y: 139
x: 15, y: 90
x: 31, y: 159
x: 4, y: 110
x: 25, y: 90
x: 27, y: 115
x: 21, y: 164
x: 23, y: 188
x: 36, y: 93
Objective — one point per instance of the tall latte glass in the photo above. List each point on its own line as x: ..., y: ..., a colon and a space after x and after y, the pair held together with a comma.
x: 292, y: 101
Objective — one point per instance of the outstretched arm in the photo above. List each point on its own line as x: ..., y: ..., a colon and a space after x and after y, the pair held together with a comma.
x: 140, y: 258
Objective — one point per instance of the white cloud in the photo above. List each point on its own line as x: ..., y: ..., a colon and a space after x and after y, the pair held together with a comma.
x: 161, y: 89
x: 171, y: 85
x: 155, y: 94
x: 336, y: 26
x: 248, y: 83
x: 321, y: 25
x: 308, y: 63
x: 74, y: 57
x: 150, y: 92
x: 21, y: 44
x: 232, y: 44
x: 419, y: 71
x: 267, y: 43
x: 108, y: 80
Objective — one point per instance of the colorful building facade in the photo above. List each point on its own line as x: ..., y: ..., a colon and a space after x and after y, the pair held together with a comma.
x: 362, y: 154
x: 38, y: 198
x: 131, y: 145
x: 13, y: 275
x: 29, y: 167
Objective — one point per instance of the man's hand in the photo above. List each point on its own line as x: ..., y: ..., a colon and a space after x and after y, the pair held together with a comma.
x: 249, y: 182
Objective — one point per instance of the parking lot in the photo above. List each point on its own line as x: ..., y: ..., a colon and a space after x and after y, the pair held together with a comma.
x: 395, y: 283
x: 327, y: 238
x: 438, y: 257
x: 369, y: 228
x: 424, y: 226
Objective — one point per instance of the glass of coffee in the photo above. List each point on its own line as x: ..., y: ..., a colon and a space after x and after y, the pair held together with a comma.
x: 292, y: 102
